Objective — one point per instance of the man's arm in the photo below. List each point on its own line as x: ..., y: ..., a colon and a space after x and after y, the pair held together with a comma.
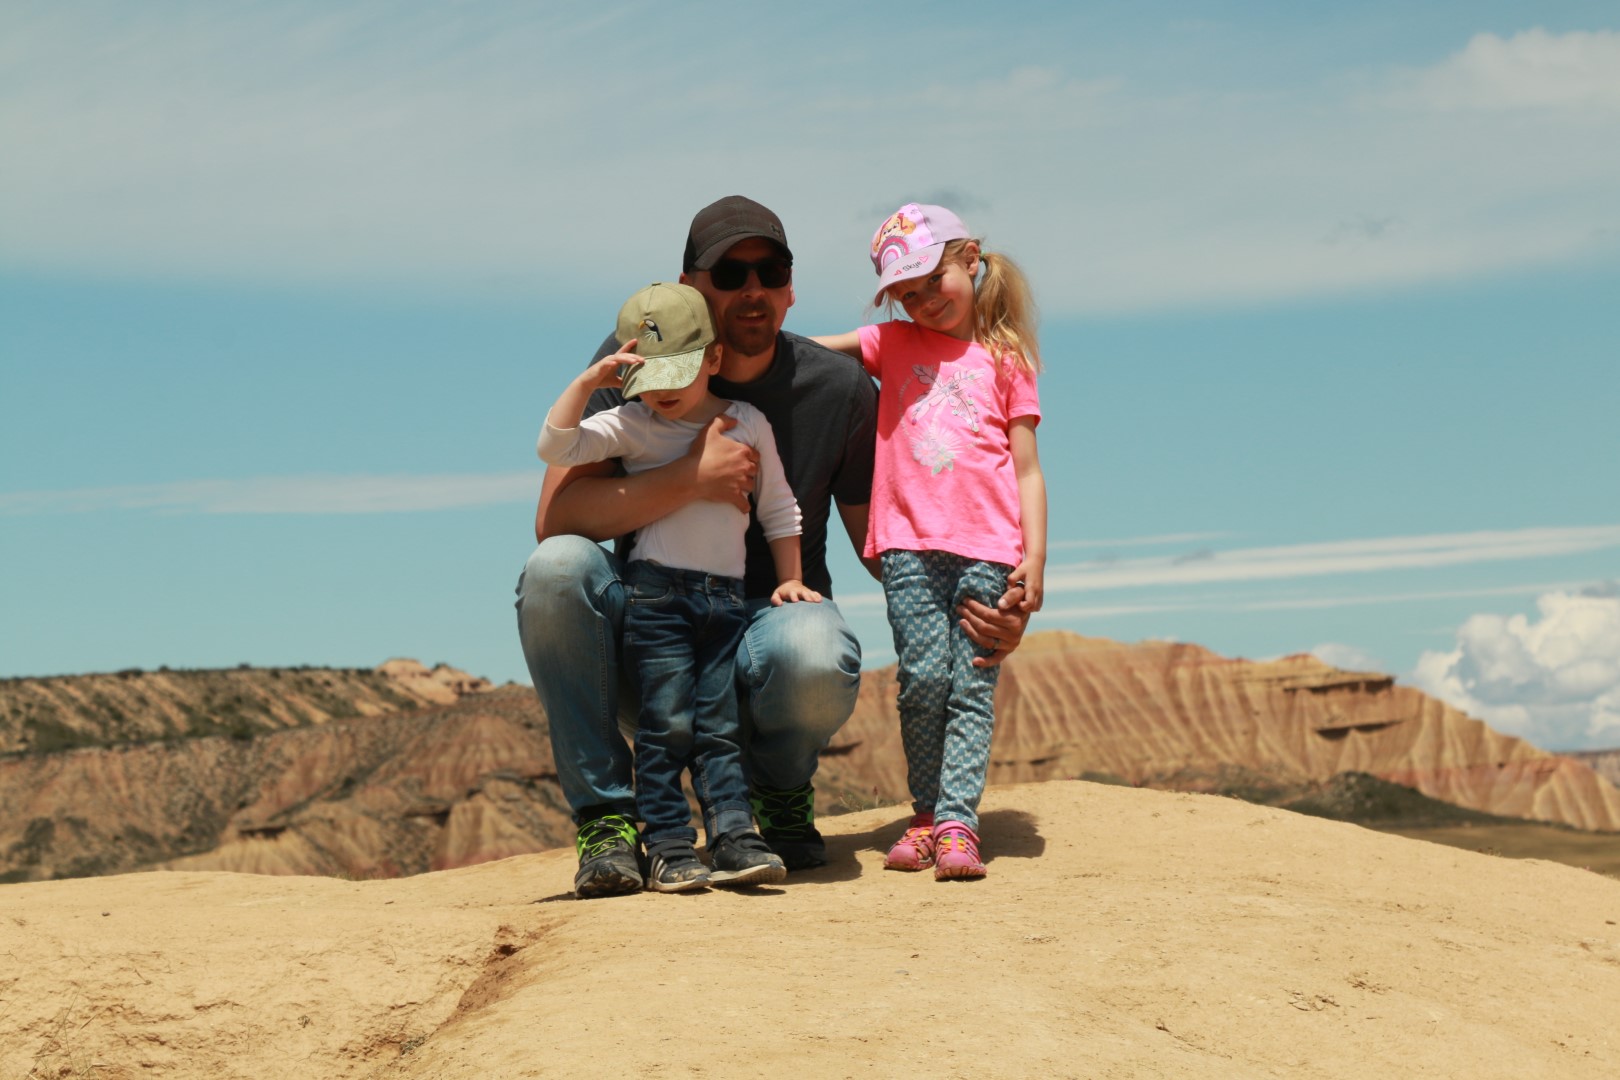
x: 855, y: 517
x: 589, y: 501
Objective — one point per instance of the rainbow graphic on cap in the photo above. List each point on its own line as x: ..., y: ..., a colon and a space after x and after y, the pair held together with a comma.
x: 893, y: 238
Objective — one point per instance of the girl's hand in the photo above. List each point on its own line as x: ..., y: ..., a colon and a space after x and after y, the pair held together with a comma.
x: 605, y: 372
x: 793, y: 590
x: 1031, y: 574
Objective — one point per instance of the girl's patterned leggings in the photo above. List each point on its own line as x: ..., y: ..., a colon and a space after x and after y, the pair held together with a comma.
x: 947, y: 706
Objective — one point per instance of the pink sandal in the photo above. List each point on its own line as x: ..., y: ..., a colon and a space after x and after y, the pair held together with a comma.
x: 956, y: 852
x: 914, y: 850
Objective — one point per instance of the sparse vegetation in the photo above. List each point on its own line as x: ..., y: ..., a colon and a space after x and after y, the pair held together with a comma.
x: 130, y: 707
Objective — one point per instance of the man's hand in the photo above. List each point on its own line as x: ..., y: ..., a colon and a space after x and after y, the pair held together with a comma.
x: 999, y: 628
x: 725, y: 467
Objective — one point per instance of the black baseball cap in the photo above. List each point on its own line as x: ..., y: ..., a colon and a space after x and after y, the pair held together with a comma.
x: 724, y: 222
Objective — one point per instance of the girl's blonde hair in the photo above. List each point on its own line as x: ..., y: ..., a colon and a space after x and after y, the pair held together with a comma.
x: 1003, y: 306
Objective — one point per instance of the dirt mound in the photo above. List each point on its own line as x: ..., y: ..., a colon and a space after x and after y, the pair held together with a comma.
x: 1121, y: 933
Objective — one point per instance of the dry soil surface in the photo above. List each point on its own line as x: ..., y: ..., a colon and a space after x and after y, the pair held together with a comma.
x: 1121, y: 933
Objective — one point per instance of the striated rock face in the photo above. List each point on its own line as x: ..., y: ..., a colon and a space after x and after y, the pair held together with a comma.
x: 1606, y: 763
x: 1179, y: 716
x: 70, y: 711
x: 365, y: 793
x: 374, y: 797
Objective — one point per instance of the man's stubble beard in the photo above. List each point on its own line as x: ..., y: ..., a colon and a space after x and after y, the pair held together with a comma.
x: 752, y: 340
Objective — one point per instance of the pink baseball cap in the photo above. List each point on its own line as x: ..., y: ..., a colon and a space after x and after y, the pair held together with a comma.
x: 909, y: 244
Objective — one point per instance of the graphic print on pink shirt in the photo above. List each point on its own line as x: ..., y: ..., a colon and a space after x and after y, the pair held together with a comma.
x: 944, y: 477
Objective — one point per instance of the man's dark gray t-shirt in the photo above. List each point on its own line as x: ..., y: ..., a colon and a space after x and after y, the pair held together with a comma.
x: 823, y: 409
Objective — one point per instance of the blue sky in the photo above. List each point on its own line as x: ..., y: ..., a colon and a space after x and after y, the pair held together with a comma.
x: 1328, y: 309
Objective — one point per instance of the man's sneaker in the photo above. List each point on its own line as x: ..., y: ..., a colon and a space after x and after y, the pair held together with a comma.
x: 675, y: 867
x: 609, y: 857
x: 956, y: 852
x: 914, y: 850
x: 743, y: 858
x: 787, y: 821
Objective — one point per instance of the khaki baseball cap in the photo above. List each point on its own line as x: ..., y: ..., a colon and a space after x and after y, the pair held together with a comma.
x: 672, y: 328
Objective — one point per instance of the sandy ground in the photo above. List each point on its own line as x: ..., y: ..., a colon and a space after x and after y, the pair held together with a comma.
x: 1121, y: 933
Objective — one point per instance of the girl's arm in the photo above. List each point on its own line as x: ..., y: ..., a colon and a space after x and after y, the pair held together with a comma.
x: 849, y: 344
x: 1031, y: 513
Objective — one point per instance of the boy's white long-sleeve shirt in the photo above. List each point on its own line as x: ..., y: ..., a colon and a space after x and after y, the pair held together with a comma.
x: 702, y: 535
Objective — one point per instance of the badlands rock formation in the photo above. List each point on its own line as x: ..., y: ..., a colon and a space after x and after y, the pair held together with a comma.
x: 127, y: 707
x: 379, y: 797
x: 433, y: 787
x: 1179, y: 716
x: 1606, y: 763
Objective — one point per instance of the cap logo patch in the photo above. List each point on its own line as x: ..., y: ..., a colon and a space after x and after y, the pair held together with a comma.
x: 652, y: 328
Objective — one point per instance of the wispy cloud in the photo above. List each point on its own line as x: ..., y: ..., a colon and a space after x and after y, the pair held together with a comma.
x: 288, y: 495
x: 1532, y: 69
x: 1337, y: 557
x: 460, y: 144
x: 1140, y: 541
x: 1322, y: 602
x: 1273, y: 564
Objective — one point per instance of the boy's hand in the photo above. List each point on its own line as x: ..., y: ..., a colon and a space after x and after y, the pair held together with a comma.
x: 793, y: 590
x: 1032, y: 575
x: 605, y: 372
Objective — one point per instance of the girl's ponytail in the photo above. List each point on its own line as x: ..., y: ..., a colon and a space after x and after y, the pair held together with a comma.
x: 1005, y: 311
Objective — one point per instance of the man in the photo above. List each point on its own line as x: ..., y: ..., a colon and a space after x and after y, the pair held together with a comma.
x: 799, y: 667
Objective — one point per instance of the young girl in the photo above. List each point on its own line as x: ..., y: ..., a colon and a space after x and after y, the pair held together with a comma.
x: 958, y: 503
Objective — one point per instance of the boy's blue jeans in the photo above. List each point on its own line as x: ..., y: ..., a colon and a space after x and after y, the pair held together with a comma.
x: 681, y: 633
x: 796, y: 676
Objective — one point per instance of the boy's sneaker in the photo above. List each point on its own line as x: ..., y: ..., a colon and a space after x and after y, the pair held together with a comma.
x: 675, y: 867
x: 956, y: 852
x: 914, y: 850
x: 787, y: 821
x: 743, y: 858
x: 609, y: 857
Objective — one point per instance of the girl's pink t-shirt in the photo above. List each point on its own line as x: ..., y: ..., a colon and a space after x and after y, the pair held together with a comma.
x: 944, y: 478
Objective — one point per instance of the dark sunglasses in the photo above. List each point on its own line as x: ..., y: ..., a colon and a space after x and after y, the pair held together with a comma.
x: 729, y: 275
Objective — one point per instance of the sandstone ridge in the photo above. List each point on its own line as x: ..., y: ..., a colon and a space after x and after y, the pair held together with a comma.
x: 1179, y: 716
x: 441, y: 784
x: 70, y: 711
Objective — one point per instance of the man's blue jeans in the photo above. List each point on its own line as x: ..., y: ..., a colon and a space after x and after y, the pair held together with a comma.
x: 798, y: 671
x: 682, y: 629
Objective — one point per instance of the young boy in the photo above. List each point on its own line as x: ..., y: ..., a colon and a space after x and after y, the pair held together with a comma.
x: 684, y: 613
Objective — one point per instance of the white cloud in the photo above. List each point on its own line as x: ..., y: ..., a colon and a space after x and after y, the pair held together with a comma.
x: 482, y: 148
x: 1347, y: 657
x: 289, y: 495
x: 1554, y: 680
x: 1532, y: 69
